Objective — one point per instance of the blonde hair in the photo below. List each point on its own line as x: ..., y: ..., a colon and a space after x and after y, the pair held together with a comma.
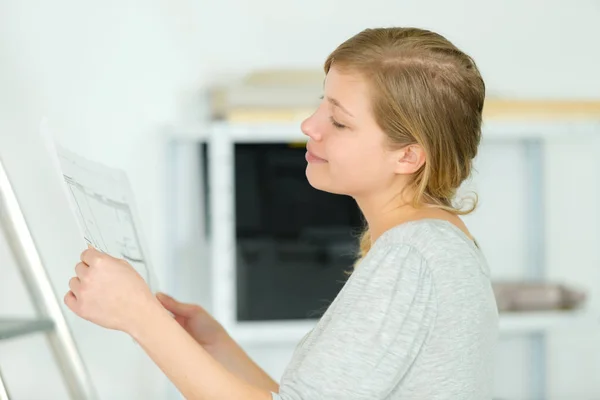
x: 424, y: 91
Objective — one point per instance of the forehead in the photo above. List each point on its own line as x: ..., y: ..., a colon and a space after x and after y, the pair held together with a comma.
x: 350, y: 89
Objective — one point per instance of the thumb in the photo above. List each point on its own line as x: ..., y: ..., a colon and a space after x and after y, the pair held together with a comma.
x: 176, y: 307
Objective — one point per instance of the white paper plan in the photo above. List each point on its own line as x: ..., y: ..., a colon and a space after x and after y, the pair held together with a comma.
x: 102, y: 201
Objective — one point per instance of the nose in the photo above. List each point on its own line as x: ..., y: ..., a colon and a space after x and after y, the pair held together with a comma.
x: 310, y: 128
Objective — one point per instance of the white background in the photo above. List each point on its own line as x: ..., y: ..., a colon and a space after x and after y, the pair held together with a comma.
x: 110, y: 74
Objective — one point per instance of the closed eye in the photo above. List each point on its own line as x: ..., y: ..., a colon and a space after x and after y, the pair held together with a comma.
x: 336, y: 124
x: 333, y: 121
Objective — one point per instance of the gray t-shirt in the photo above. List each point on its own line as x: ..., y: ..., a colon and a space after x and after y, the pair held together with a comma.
x: 417, y: 320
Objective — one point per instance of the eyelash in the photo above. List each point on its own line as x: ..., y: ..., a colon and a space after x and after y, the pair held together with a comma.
x: 336, y: 124
x: 333, y: 121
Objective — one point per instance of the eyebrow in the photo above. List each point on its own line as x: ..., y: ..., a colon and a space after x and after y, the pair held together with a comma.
x: 337, y: 104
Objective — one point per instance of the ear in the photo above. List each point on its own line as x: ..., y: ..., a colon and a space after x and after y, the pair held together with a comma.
x: 409, y: 159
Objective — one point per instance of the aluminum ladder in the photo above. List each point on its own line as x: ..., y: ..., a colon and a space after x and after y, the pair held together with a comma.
x: 50, y: 320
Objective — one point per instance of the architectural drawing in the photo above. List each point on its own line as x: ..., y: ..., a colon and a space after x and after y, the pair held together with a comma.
x: 102, y: 202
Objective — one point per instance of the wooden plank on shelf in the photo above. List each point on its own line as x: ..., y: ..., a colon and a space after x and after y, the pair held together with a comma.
x: 295, y: 77
x: 242, y: 115
x: 541, y: 109
x: 502, y: 109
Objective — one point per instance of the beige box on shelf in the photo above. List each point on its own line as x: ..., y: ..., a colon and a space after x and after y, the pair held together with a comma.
x: 536, y: 296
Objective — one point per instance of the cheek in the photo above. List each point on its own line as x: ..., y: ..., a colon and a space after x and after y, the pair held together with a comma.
x: 354, y: 167
x: 354, y: 156
x: 356, y: 164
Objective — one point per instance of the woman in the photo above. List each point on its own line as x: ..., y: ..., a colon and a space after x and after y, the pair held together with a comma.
x: 397, y: 129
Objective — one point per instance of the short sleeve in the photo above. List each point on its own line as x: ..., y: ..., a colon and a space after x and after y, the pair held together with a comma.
x: 372, y: 333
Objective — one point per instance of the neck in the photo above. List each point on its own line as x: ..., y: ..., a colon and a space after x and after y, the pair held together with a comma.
x: 382, y: 213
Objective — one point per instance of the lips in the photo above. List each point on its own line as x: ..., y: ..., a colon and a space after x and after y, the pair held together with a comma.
x: 312, y: 159
x: 310, y: 153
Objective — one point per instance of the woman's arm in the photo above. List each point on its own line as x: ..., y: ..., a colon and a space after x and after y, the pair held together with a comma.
x: 109, y: 292
x: 231, y: 355
x: 213, y: 338
x: 196, y: 374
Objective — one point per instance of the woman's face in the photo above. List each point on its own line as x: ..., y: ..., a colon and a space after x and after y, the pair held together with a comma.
x: 347, y: 151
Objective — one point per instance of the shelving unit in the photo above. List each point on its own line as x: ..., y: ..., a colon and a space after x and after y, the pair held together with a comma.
x: 528, y: 123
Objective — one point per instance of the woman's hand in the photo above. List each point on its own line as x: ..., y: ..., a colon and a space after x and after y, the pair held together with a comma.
x: 206, y: 330
x: 109, y: 292
x: 211, y: 335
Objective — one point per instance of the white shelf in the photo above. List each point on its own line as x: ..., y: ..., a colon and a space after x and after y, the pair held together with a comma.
x: 495, y: 130
x: 513, y: 323
x: 545, y: 321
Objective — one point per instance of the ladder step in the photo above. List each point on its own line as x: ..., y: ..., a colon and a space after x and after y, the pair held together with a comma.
x: 13, y: 327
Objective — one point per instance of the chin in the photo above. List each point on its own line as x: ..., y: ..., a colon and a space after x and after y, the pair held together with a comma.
x: 320, y: 180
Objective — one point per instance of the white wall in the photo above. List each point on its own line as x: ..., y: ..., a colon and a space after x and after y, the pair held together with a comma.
x: 524, y: 48
x: 109, y: 74
x: 106, y: 76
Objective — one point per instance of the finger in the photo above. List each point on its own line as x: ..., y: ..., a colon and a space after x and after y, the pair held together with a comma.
x: 175, y: 306
x: 74, y: 285
x: 163, y: 297
x: 92, y: 256
x: 70, y: 300
x: 180, y: 320
x: 81, y: 269
x: 87, y: 256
